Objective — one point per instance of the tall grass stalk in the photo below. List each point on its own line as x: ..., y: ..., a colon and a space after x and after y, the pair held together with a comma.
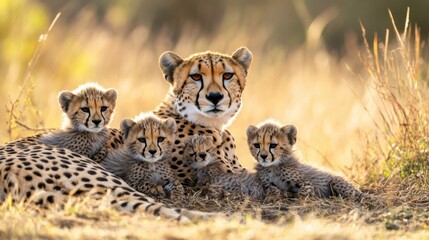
x: 398, y: 87
x: 18, y: 107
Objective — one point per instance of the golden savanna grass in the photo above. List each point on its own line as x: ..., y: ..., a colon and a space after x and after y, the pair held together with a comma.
x: 363, y: 114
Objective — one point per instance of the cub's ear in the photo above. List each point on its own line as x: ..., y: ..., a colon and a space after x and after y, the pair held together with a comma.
x: 65, y: 97
x: 168, y: 61
x: 111, y: 95
x: 126, y: 126
x: 188, y: 144
x: 290, y: 131
x: 243, y: 56
x: 251, y: 131
x: 170, y: 127
x: 210, y: 139
x: 212, y: 143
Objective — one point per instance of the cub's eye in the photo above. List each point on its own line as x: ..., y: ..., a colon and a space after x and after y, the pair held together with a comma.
x: 273, y: 145
x: 227, y: 76
x: 142, y: 139
x: 256, y: 145
x: 196, y: 77
x: 85, y: 109
x: 161, y: 139
x: 103, y: 108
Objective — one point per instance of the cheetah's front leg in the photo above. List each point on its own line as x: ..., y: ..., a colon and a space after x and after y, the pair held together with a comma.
x: 298, y: 181
x: 149, y: 188
x: 176, y: 190
x: 272, y: 194
x: 307, y: 190
x: 216, y: 191
x: 100, y: 155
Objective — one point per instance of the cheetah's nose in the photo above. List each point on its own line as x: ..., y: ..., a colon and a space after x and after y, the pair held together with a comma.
x: 152, y: 151
x: 202, y: 155
x: 214, y: 97
x: 264, y: 156
x: 295, y: 189
x: 96, y: 121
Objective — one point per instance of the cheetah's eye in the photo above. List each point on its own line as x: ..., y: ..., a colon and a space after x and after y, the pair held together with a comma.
x: 161, y: 139
x: 103, y: 108
x: 85, y: 109
x: 256, y: 145
x: 273, y: 145
x: 142, y: 139
x: 196, y: 77
x: 227, y: 76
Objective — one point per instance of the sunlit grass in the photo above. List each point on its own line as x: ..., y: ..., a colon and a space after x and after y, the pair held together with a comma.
x: 85, y: 221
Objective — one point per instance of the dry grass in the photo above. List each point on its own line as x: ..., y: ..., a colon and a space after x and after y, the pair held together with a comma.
x: 326, y: 219
x: 307, y: 86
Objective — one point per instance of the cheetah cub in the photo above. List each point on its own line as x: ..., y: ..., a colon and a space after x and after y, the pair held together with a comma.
x: 272, y: 146
x: 211, y: 174
x: 87, y: 111
x: 143, y: 159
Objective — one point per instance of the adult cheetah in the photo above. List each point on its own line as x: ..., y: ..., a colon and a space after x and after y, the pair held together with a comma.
x: 272, y: 146
x: 204, y: 97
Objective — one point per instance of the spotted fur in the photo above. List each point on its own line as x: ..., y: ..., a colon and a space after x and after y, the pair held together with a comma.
x: 50, y: 173
x: 27, y: 166
x: 32, y: 171
x: 88, y: 111
x: 204, y: 97
x: 143, y: 160
x: 211, y: 175
x: 272, y: 146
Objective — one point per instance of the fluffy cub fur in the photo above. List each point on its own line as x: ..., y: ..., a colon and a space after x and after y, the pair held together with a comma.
x: 272, y: 146
x: 87, y: 111
x: 143, y: 159
x: 211, y: 174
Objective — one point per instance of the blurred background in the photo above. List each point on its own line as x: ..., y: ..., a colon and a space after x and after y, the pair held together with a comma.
x: 306, y: 69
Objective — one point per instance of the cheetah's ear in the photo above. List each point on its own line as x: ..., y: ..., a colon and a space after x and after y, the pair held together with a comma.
x: 244, y: 57
x: 210, y: 139
x: 126, y: 126
x: 65, y: 97
x: 111, y: 95
x: 188, y: 144
x: 212, y: 142
x: 170, y: 126
x: 291, y: 132
x: 251, y: 131
x: 168, y: 61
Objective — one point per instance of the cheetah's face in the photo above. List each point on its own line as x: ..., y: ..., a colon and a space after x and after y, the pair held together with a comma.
x: 88, y: 108
x: 148, y: 138
x: 268, y: 143
x: 208, y: 85
x: 198, y: 151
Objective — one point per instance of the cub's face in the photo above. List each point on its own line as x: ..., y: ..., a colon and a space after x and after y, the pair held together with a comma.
x: 88, y: 108
x: 207, y: 85
x: 269, y: 142
x: 148, y: 138
x: 198, y: 151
